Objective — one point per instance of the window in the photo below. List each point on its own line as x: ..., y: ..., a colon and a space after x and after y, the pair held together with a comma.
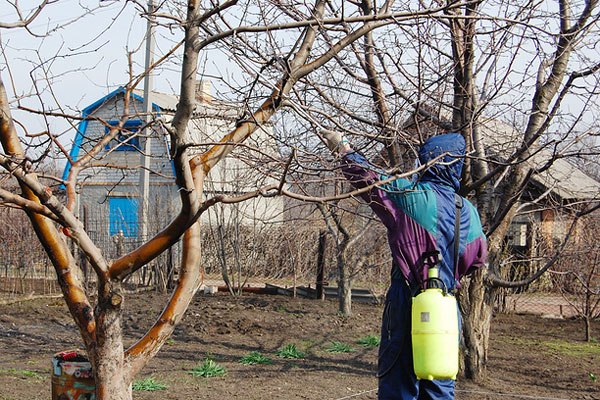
x: 126, y: 139
x: 123, y: 216
x: 517, y: 234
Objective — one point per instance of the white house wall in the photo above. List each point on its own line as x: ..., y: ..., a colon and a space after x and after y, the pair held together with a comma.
x: 237, y: 173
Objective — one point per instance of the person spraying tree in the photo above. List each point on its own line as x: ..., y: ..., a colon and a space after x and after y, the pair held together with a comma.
x: 426, y: 220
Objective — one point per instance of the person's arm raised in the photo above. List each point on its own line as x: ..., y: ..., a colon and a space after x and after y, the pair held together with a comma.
x: 336, y: 141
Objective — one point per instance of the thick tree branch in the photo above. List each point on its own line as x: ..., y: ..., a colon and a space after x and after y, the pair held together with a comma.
x: 66, y: 270
x: 7, y: 197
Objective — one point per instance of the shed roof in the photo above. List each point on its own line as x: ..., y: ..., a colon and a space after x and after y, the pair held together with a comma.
x: 167, y: 104
x: 561, y: 177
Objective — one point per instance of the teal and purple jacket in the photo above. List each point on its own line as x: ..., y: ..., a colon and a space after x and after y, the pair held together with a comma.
x: 419, y: 214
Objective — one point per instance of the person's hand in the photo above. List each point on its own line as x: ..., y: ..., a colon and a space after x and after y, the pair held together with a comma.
x: 335, y: 141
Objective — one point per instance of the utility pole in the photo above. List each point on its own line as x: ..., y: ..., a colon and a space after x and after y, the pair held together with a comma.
x: 146, y: 141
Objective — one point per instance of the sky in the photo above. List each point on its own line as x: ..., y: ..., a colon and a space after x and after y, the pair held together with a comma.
x: 77, y: 76
x: 77, y: 56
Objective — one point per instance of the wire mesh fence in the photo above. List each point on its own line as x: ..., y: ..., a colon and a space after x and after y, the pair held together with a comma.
x: 39, y: 278
x: 545, y: 304
x: 24, y: 265
x: 280, y: 256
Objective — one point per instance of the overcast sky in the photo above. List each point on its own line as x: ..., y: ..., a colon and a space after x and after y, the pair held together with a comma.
x: 80, y: 52
x: 80, y: 60
x: 81, y: 49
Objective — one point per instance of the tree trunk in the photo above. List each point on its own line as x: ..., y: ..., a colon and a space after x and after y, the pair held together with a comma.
x: 588, y: 328
x: 476, y: 307
x: 344, y: 289
x: 588, y: 308
x: 110, y: 371
x: 320, y: 294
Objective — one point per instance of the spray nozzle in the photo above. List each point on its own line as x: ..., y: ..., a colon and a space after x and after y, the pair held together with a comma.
x: 432, y: 258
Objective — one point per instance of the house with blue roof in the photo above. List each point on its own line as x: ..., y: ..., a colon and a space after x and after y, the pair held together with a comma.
x: 108, y: 186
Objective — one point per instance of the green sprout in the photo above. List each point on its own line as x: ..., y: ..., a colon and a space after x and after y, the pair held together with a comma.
x: 255, y: 358
x: 339, y: 347
x: 208, y: 369
x: 368, y: 341
x: 148, y: 385
x: 290, y: 351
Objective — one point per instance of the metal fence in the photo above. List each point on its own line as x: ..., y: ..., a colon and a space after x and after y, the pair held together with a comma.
x: 26, y: 270
x: 551, y: 305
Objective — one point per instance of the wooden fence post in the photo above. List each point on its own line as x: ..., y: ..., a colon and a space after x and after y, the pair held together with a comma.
x: 320, y: 265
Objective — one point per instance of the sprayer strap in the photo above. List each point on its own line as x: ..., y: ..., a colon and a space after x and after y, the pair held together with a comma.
x: 458, y: 201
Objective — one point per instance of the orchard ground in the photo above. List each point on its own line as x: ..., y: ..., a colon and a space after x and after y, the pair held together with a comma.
x: 530, y: 357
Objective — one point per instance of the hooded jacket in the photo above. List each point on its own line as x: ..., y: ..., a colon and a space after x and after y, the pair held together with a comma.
x: 419, y: 214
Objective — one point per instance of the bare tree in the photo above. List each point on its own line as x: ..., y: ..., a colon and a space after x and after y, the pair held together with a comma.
x: 577, y: 275
x: 553, y: 82
x: 490, y: 72
x: 99, y: 318
x: 354, y: 247
x: 388, y: 75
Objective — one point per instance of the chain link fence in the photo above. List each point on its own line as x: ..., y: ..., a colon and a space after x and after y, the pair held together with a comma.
x: 552, y: 305
x: 283, y: 256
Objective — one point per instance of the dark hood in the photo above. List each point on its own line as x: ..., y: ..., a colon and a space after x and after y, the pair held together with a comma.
x: 447, y: 175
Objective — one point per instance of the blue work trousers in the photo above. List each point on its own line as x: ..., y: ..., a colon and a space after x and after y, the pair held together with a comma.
x: 397, y: 380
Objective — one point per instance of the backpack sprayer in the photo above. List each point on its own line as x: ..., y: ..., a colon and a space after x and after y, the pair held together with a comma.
x: 434, y: 326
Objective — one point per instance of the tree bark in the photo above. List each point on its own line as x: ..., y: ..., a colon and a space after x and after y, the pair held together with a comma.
x: 476, y: 308
x: 113, y: 380
x: 344, y: 288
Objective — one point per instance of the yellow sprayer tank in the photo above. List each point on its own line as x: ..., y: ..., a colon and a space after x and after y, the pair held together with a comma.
x: 435, y: 334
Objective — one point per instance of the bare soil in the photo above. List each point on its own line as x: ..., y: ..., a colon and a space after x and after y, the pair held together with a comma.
x: 530, y: 357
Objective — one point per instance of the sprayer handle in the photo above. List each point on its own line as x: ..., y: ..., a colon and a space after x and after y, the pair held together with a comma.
x: 432, y: 258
